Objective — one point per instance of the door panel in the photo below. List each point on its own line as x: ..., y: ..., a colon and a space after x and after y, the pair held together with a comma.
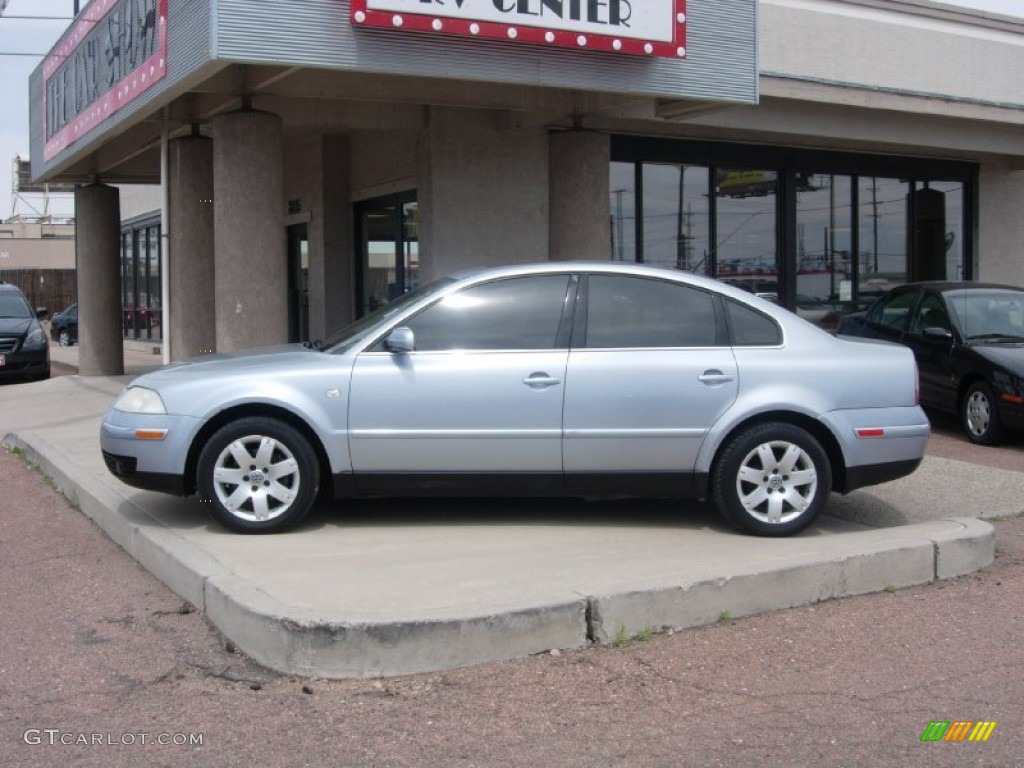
x: 643, y: 410
x: 647, y: 376
x: 481, y: 391
x: 457, y: 412
x: 934, y: 355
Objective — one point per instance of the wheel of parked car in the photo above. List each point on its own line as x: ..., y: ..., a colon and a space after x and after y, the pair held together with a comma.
x: 772, y: 479
x: 980, y: 416
x: 64, y: 337
x: 258, y: 475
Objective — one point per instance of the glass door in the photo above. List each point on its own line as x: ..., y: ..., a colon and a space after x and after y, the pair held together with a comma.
x: 298, y: 282
x: 387, y: 229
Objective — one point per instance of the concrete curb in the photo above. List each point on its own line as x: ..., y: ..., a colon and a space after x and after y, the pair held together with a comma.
x: 872, y: 561
x: 298, y: 641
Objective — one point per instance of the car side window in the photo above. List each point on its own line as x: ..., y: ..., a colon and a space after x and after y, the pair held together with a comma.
x: 749, y: 328
x: 892, y: 311
x: 644, y: 312
x: 516, y: 313
x: 930, y: 314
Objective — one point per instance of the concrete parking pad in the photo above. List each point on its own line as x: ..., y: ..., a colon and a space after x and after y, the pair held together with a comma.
x: 383, y: 587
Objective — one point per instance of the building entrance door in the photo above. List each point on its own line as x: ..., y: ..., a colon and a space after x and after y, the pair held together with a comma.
x: 298, y: 282
x: 387, y: 232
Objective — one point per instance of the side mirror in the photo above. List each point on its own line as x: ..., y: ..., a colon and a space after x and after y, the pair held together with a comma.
x: 400, y: 340
x: 937, y: 334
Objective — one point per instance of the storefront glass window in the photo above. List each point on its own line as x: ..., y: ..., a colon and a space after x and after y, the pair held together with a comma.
x: 151, y: 301
x: 882, y: 221
x: 140, y: 283
x: 824, y: 249
x: 623, y: 208
x: 820, y: 233
x: 676, y: 215
x: 953, y: 237
x: 746, y: 230
x: 411, y: 244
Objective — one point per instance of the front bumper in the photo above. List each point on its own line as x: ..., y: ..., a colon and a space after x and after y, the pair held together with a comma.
x: 152, y: 465
x: 26, y: 365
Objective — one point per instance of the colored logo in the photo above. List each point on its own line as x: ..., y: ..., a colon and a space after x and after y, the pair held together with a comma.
x: 958, y: 730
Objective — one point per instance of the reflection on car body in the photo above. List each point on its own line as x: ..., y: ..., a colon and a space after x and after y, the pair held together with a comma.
x: 539, y: 379
x: 968, y: 339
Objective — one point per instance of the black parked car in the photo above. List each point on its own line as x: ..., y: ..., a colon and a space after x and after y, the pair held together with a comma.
x: 64, y: 326
x: 24, y: 350
x: 968, y: 339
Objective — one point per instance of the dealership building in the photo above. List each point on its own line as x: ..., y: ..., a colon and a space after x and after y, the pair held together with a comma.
x: 316, y: 158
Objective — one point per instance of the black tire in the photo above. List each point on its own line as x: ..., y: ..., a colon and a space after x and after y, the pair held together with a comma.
x: 754, y: 486
x: 277, y: 488
x: 980, y: 415
x: 64, y: 337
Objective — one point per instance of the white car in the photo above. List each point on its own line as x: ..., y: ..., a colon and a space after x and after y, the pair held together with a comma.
x: 548, y: 379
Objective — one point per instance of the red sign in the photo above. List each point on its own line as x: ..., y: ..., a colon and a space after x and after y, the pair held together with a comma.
x: 642, y: 27
x: 114, y: 52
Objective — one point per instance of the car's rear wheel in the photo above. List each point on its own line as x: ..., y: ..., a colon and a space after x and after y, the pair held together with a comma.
x: 258, y: 475
x: 64, y: 337
x: 772, y: 480
x: 980, y: 415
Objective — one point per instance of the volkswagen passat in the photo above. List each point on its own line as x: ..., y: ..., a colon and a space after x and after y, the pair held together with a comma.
x: 548, y: 379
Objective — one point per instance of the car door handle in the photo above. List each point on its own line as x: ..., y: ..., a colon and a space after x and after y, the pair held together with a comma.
x: 715, y: 376
x: 540, y: 380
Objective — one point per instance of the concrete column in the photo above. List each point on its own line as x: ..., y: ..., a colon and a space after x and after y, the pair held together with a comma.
x: 250, y: 257
x: 998, y: 254
x: 335, y: 274
x: 483, y: 191
x: 98, y: 253
x: 580, y: 226
x: 193, y: 329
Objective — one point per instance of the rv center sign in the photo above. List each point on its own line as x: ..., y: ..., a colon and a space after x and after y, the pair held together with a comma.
x: 641, y: 27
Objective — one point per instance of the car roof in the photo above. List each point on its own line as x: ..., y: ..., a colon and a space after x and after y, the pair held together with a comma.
x: 945, y: 286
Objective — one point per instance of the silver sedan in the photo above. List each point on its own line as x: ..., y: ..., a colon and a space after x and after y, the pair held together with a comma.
x: 548, y: 379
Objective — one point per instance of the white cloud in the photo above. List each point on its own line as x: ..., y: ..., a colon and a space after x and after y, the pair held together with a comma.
x: 22, y: 36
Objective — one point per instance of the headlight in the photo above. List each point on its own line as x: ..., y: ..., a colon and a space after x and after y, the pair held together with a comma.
x: 139, y: 400
x: 35, y: 340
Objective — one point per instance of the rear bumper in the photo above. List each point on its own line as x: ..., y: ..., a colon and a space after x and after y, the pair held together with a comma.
x: 879, y: 444
x: 874, y: 474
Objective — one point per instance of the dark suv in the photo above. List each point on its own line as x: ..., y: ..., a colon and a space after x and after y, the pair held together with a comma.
x: 24, y: 349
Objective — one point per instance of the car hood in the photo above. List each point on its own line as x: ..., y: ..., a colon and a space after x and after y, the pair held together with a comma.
x: 15, y: 325
x: 1008, y: 356
x: 252, y: 362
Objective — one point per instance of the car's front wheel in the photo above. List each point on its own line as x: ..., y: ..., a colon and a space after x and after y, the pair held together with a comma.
x: 258, y: 475
x: 772, y: 480
x: 64, y: 337
x: 980, y: 416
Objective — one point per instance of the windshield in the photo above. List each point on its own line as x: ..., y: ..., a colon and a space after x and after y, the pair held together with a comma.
x: 989, y: 314
x: 13, y: 305
x: 344, y: 338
